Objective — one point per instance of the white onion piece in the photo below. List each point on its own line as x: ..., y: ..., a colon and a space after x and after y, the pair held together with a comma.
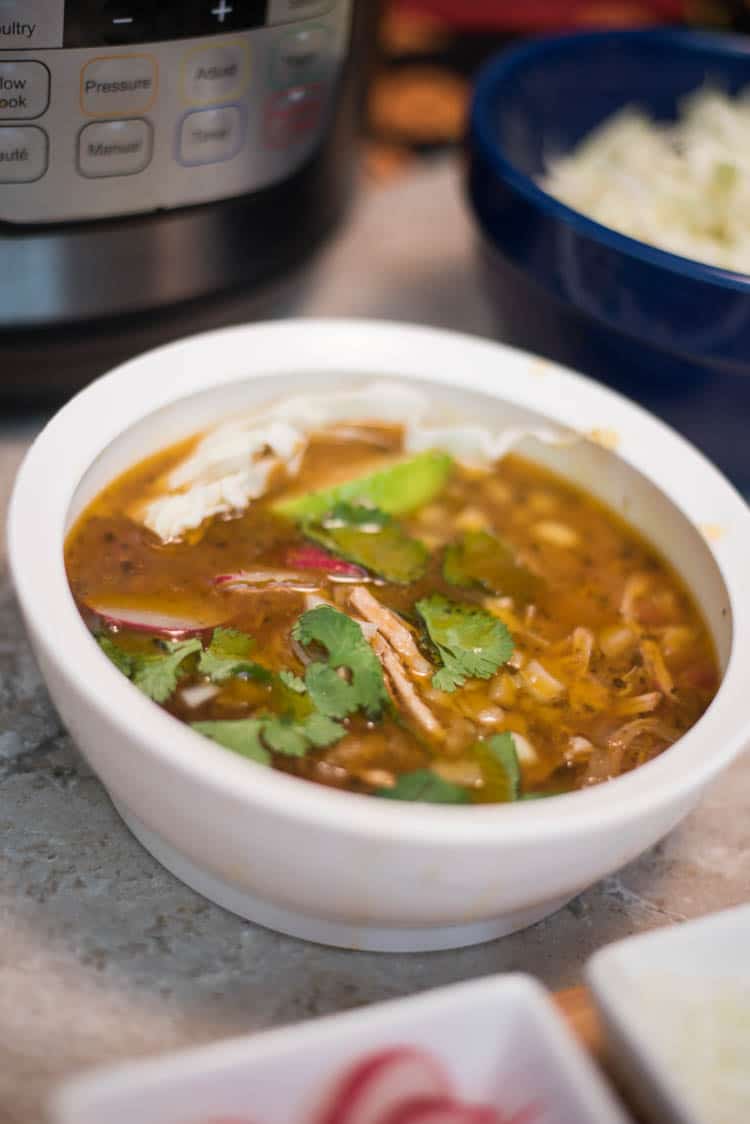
x: 525, y: 751
x: 198, y: 695
x: 383, y: 1082
x: 312, y: 600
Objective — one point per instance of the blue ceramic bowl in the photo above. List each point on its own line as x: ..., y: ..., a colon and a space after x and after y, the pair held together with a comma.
x: 669, y: 331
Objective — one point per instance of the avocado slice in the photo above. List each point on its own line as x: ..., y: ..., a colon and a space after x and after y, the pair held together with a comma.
x: 396, y: 490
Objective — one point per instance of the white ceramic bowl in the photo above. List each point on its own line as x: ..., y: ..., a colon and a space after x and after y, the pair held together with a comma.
x: 336, y: 867
x: 500, y: 1041
x: 662, y: 997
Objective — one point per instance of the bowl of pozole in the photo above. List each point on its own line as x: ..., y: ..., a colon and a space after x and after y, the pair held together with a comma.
x: 382, y: 636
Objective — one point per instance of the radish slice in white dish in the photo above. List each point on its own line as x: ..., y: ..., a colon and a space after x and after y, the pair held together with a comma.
x: 383, y: 1082
x: 266, y: 581
x: 441, y: 1110
x: 159, y: 624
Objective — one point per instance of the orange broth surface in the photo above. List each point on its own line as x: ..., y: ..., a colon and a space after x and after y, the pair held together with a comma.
x: 611, y: 659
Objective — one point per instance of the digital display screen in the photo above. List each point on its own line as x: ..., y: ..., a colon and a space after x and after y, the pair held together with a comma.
x: 93, y: 23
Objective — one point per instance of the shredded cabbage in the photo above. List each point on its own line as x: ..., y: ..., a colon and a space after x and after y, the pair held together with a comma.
x: 683, y: 186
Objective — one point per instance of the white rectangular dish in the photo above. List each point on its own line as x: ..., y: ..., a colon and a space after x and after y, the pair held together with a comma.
x: 676, y: 1010
x: 501, y: 1046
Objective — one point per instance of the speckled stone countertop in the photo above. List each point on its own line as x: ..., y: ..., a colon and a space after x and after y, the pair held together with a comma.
x: 103, y: 955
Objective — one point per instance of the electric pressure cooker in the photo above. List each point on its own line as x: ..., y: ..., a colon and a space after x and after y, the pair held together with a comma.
x: 162, y: 164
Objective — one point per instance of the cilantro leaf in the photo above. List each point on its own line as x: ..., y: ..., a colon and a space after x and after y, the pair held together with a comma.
x: 363, y: 687
x: 372, y: 539
x: 425, y: 787
x: 501, y: 772
x: 481, y: 559
x: 122, y: 660
x: 228, y: 655
x: 471, y: 643
x: 157, y: 675
x: 293, y: 739
x: 254, y: 738
x: 398, y: 489
x: 293, y: 682
x: 241, y: 735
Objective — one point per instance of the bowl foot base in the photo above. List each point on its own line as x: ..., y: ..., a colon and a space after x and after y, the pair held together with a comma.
x: 361, y: 938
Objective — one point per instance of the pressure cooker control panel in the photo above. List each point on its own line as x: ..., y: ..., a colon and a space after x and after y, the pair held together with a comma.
x: 110, y: 109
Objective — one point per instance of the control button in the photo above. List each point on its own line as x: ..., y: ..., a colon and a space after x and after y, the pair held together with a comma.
x: 217, y: 16
x: 287, y: 11
x: 301, y: 56
x: 24, y: 89
x: 210, y: 136
x: 292, y: 115
x: 124, y: 23
x: 31, y: 23
x: 118, y: 85
x: 114, y: 148
x: 216, y: 73
x: 24, y: 154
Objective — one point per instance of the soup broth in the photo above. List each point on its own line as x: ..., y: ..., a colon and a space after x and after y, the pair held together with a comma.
x: 449, y: 633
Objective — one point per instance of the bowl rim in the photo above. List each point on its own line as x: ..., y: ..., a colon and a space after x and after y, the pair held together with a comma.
x: 71, y: 442
x: 502, y: 68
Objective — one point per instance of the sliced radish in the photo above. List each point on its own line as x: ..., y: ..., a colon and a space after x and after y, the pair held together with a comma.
x: 440, y: 1110
x: 144, y: 620
x: 382, y: 1082
x: 315, y: 558
x: 266, y: 581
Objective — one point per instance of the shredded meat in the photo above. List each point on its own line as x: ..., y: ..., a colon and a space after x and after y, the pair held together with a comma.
x: 622, y: 738
x: 653, y: 661
x: 394, y: 631
x: 404, y: 689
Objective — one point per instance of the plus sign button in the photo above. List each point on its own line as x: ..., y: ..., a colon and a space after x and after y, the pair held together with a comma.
x: 218, y: 16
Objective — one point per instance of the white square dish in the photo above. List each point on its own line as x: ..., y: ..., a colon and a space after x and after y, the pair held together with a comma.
x: 498, y: 1041
x: 676, y: 1010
